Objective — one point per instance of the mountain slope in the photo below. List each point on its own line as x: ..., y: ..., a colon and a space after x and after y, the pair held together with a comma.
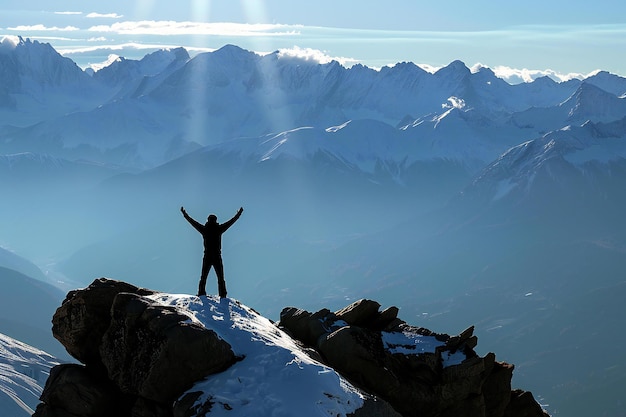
x: 275, y: 376
x: 18, y: 317
x: 39, y: 84
x: 23, y: 373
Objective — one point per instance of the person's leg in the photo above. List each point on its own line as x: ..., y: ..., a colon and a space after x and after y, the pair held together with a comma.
x: 219, y: 271
x: 206, y: 267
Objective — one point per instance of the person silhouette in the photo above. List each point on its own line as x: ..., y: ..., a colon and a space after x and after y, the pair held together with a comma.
x: 211, y: 233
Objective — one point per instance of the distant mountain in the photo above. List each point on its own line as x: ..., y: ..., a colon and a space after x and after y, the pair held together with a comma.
x: 587, y: 103
x: 23, y: 374
x: 609, y: 82
x: 26, y: 307
x: 39, y: 84
x: 580, y: 161
x: 136, y: 78
x: 143, y: 113
x: 15, y: 262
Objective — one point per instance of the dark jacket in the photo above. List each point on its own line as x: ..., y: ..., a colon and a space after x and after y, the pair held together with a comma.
x: 212, y: 233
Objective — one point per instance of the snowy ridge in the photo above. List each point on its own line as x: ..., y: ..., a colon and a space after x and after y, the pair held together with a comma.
x: 23, y: 373
x: 275, y: 376
x: 369, y: 145
x: 572, y: 146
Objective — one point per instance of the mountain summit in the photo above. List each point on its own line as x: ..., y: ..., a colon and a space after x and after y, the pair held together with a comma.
x: 150, y: 353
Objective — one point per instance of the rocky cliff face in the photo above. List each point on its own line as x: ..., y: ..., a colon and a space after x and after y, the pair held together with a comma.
x: 142, y: 358
x: 419, y: 372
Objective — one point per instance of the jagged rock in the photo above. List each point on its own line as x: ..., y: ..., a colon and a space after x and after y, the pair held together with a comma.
x: 140, y: 356
x: 373, y: 407
x: 359, y: 312
x: 84, y: 316
x: 387, y: 317
x: 146, y: 344
x: 360, y: 353
x: 189, y: 406
x: 75, y: 390
x: 497, y: 387
x: 465, y: 339
x: 307, y: 327
x: 414, y: 384
x: 523, y: 404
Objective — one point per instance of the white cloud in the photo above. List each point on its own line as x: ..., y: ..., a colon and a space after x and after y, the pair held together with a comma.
x: 114, y: 47
x: 129, y: 50
x: 315, y: 55
x: 68, y: 13
x: 168, y: 27
x: 9, y: 42
x: 42, y: 28
x: 111, y: 59
x: 516, y: 75
x: 429, y: 68
x: 105, y: 15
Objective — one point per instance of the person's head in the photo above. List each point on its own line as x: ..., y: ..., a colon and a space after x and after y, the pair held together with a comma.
x: 212, y: 218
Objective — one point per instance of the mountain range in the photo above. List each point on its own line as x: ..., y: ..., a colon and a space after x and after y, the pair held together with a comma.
x: 453, y: 195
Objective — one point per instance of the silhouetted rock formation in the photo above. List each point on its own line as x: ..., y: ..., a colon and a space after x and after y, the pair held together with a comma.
x: 141, y: 358
x: 357, y: 341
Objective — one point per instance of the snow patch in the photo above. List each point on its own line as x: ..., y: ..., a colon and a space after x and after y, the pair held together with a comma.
x: 454, y: 103
x: 275, y: 377
x: 110, y: 60
x: 334, y: 129
x: 415, y: 344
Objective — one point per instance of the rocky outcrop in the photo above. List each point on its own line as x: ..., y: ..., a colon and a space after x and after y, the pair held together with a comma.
x: 420, y: 373
x: 138, y: 356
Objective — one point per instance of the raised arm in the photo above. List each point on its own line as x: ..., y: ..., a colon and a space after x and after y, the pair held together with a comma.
x: 229, y: 223
x: 191, y: 221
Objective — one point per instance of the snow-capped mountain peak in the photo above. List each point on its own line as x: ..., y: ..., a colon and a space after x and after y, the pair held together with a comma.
x: 557, y: 154
x: 608, y: 82
x: 590, y: 102
x: 38, y: 62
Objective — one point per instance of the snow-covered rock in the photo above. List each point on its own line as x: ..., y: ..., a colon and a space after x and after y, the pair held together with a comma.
x: 149, y: 353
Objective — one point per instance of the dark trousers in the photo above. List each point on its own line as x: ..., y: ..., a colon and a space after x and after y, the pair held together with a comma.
x: 216, y: 262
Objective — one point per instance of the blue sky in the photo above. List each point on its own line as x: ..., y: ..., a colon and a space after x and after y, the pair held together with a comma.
x: 517, y: 40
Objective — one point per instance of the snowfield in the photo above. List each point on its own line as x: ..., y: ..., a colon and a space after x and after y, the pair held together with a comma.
x: 275, y: 376
x: 23, y: 373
